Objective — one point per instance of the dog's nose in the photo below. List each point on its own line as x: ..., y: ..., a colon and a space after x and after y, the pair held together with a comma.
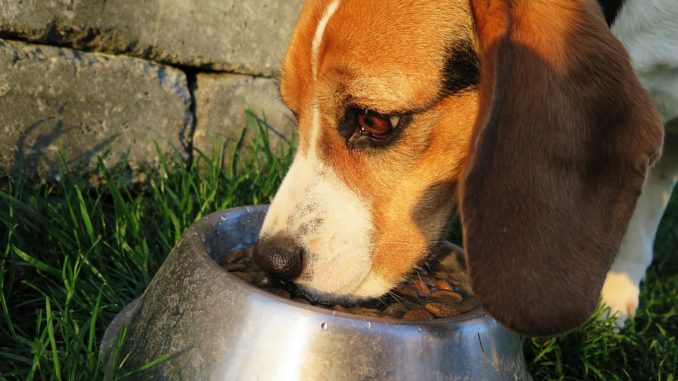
x: 279, y: 255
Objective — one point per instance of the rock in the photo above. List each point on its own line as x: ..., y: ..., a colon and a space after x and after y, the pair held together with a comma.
x: 221, y: 103
x: 234, y: 35
x: 83, y: 105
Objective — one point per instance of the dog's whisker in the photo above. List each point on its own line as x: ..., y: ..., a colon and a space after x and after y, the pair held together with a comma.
x: 398, y: 299
x: 419, y: 276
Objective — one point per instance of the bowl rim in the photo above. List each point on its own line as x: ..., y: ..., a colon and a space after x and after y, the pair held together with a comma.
x: 474, y: 314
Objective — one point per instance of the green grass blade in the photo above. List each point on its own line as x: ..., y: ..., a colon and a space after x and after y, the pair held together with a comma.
x: 52, y: 340
x: 38, y: 264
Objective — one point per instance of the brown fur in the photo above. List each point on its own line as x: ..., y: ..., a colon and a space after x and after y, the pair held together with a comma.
x: 557, y: 141
x: 362, y: 67
x: 563, y: 142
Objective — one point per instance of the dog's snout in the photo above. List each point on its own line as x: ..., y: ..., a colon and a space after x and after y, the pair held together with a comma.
x: 279, y: 255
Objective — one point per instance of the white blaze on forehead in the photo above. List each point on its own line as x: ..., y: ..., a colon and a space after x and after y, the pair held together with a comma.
x: 315, y: 62
x: 304, y: 170
x: 318, y: 210
x: 318, y: 36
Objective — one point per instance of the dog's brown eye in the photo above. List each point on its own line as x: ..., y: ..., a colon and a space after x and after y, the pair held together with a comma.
x: 376, y: 125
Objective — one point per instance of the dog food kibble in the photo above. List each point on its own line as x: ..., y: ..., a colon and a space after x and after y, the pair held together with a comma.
x: 442, y: 291
x: 244, y: 276
x: 417, y: 314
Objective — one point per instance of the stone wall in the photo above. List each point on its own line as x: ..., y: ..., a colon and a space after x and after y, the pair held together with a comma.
x: 82, y: 79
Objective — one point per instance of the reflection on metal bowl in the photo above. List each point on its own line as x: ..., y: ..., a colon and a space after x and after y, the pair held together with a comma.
x: 213, y: 326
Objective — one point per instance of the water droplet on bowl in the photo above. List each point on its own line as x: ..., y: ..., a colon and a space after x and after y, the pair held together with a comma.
x: 323, y: 325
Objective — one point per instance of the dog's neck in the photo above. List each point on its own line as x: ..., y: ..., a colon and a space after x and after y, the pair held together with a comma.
x: 611, y: 9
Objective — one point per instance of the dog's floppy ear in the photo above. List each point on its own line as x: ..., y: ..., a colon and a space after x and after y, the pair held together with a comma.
x: 564, y: 138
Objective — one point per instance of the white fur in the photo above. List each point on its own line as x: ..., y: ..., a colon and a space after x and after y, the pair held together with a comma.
x: 318, y: 36
x: 315, y: 62
x: 649, y: 31
x: 331, y: 222
x: 622, y: 286
x: 334, y: 225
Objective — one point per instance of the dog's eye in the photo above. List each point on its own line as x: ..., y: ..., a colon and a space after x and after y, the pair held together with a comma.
x: 375, y: 125
x: 368, y: 129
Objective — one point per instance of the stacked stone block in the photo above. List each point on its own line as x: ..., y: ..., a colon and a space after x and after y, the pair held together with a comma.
x: 82, y: 79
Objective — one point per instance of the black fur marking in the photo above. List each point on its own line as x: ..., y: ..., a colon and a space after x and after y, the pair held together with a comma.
x: 461, y: 70
x: 611, y: 9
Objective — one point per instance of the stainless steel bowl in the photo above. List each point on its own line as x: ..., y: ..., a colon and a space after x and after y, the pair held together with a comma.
x: 214, y: 326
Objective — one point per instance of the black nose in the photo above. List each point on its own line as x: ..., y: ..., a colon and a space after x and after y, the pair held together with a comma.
x: 279, y: 255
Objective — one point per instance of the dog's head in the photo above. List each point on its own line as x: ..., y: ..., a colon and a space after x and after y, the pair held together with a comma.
x: 526, y: 114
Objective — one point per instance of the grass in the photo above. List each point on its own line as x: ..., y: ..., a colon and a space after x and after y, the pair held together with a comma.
x: 72, y: 256
x: 645, y: 349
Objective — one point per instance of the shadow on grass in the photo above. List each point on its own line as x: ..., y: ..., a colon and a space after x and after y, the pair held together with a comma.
x: 72, y: 255
x: 645, y: 348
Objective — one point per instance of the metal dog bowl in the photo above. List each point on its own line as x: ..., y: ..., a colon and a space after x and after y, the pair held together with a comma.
x: 213, y: 326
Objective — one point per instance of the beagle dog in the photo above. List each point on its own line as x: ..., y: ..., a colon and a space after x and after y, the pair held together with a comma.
x: 524, y: 114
